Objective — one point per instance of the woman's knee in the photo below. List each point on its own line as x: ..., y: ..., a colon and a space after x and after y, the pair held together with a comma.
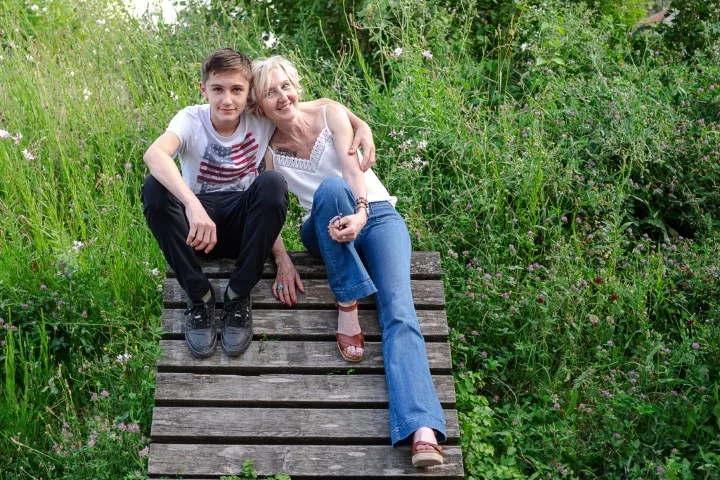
x: 333, y: 187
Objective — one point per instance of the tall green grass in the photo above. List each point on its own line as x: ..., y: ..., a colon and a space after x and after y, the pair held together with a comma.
x: 567, y: 173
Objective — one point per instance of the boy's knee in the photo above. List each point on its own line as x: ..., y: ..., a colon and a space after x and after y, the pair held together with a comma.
x: 271, y: 188
x: 154, y: 194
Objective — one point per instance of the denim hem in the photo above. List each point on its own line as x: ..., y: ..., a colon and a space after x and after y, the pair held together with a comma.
x: 409, y: 427
x: 355, y: 292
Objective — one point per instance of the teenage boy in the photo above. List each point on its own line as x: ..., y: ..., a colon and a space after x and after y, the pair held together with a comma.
x: 223, y: 204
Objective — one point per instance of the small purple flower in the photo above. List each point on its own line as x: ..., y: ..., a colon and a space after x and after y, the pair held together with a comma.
x: 25, y: 306
x: 105, y: 393
x: 512, y: 247
x: 696, y: 346
x: 578, y: 220
x: 617, y: 435
x: 43, y: 287
x: 483, y: 354
x: 498, y: 275
x: 556, y: 405
x: 143, y: 452
x: 475, y: 333
x: 642, y: 396
x: 674, y: 393
x: 417, y: 235
x: 607, y: 394
x: 530, y: 233
x: 564, y: 219
x: 60, y: 303
x: 461, y: 337
x: 94, y: 397
x: 659, y: 469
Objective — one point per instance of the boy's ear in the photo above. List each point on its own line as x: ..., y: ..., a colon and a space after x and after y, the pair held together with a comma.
x: 203, y: 91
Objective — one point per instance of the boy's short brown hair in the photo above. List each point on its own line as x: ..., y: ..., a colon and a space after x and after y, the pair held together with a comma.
x: 226, y: 60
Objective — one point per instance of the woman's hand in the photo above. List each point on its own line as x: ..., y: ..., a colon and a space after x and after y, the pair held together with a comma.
x: 286, y: 281
x: 364, y: 138
x: 346, y: 229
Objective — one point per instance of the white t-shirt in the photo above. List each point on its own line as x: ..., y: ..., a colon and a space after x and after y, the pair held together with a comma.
x: 303, y: 176
x: 212, y: 163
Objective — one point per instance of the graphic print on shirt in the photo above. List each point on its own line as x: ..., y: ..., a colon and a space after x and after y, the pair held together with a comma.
x: 228, y: 168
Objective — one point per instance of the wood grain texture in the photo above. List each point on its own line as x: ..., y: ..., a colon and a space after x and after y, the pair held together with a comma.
x: 427, y: 294
x: 318, y: 391
x: 288, y: 357
x: 291, y: 324
x: 423, y: 266
x: 304, y: 462
x: 278, y: 425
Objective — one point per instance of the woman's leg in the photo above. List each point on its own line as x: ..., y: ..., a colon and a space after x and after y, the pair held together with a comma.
x: 414, y: 404
x: 346, y: 273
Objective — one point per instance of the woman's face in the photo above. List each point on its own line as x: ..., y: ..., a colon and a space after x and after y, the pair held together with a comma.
x: 279, y: 98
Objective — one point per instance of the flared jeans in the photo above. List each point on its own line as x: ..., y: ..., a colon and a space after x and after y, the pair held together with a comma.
x: 378, y: 261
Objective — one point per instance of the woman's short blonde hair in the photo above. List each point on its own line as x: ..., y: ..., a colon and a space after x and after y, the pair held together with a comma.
x: 261, y: 69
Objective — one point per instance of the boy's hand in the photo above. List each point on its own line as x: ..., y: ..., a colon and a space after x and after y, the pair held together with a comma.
x: 363, y: 138
x: 203, y: 234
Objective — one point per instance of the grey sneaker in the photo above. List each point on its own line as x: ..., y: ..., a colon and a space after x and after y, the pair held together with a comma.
x: 200, y: 330
x: 237, y: 325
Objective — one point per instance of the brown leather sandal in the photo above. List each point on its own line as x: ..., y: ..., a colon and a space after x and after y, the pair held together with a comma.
x: 426, y: 458
x: 345, y: 341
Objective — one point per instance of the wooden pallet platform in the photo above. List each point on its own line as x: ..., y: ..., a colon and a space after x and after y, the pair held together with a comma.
x: 290, y: 402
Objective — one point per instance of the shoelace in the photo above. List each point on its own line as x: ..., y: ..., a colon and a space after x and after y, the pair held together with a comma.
x: 197, y: 318
x: 240, y: 313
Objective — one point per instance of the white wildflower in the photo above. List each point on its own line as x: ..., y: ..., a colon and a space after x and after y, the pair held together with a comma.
x: 34, y: 8
x: 77, y: 245
x: 4, y: 134
x: 101, y: 21
x: 28, y: 155
x: 154, y: 272
x: 86, y: 93
x: 427, y: 54
x: 523, y: 47
x: 422, y: 145
x: 72, y: 73
x: 123, y: 357
x: 396, y: 53
x: 269, y: 39
x: 173, y: 95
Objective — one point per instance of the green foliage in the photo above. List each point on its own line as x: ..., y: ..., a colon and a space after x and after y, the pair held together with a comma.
x: 249, y: 473
x: 695, y: 25
x: 566, y: 171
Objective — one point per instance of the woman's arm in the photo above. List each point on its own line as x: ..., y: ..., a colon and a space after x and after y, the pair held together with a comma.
x: 347, y: 228
x: 363, y: 134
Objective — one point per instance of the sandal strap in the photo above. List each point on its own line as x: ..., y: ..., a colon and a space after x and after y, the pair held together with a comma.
x: 350, y: 308
x: 436, y: 447
x: 345, y: 341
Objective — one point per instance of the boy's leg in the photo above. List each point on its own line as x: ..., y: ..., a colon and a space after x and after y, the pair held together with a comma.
x: 165, y: 216
x: 250, y: 222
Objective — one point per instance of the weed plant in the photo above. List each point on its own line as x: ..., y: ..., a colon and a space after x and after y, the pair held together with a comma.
x: 567, y: 171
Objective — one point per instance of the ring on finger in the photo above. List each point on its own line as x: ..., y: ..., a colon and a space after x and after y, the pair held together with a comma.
x: 280, y: 286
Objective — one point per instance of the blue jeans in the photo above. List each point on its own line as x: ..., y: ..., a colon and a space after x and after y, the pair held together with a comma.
x: 378, y: 261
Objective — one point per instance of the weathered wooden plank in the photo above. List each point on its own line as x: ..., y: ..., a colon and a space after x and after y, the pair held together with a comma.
x: 288, y: 357
x: 319, y: 391
x: 423, y: 266
x: 289, y: 324
x: 278, y: 425
x: 427, y: 294
x: 301, y: 462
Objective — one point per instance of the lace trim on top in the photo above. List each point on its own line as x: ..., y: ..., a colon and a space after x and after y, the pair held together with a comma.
x: 310, y: 164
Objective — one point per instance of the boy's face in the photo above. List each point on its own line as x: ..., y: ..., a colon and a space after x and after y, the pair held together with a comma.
x: 227, y: 94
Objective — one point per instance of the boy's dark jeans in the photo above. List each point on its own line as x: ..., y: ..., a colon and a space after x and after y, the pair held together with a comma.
x: 247, y: 225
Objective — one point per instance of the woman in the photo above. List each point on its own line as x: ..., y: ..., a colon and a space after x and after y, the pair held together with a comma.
x: 352, y: 224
